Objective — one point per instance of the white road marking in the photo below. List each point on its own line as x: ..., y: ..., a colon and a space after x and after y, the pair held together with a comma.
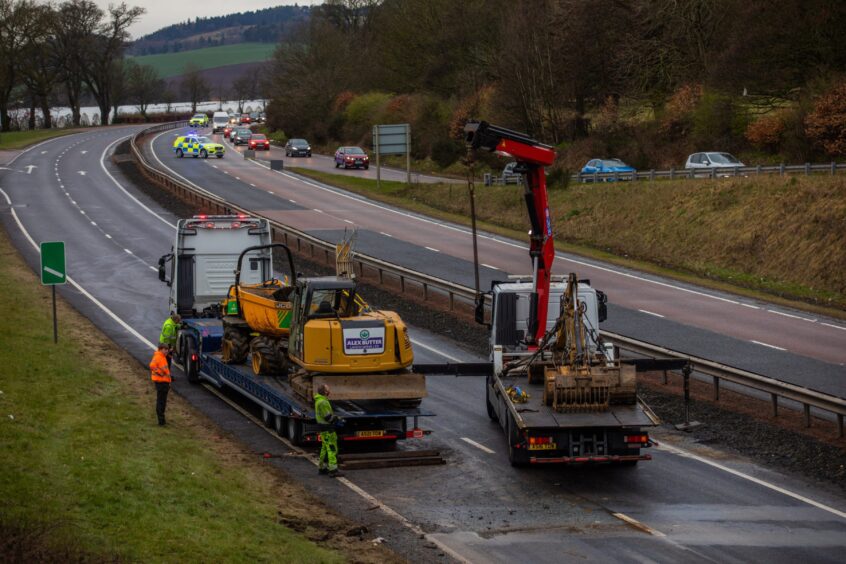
x: 107, y: 235
x: 318, y: 211
x: 650, y: 313
x: 269, y: 192
x: 638, y: 525
x: 834, y: 326
x: 127, y: 251
x: 153, y: 268
x: 348, y: 221
x: 477, y: 445
x: 773, y: 487
x: 237, y: 178
x: 385, y: 234
x: 81, y: 172
x: 82, y: 212
x: 434, y: 350
x: 292, y: 201
x: 492, y: 267
x: 791, y: 316
x: 253, y: 185
x: 432, y: 249
x: 73, y: 202
x: 749, y: 306
x: 768, y: 345
x: 94, y: 224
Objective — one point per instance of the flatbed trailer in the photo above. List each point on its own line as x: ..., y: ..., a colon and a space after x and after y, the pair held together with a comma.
x: 538, y: 434
x: 282, y: 408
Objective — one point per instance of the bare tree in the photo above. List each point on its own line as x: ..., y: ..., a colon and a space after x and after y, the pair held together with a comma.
x: 12, y: 40
x: 194, y: 86
x: 143, y: 85
x: 241, y: 87
x: 103, y: 49
x: 75, y: 22
x: 36, y: 66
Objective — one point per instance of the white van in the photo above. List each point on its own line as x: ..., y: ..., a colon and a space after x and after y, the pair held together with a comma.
x: 219, y: 121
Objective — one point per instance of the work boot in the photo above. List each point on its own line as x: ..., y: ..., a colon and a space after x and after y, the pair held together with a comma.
x: 322, y: 470
x: 335, y: 473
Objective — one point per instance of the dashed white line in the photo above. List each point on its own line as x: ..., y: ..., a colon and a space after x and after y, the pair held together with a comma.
x: 834, y: 326
x: 318, y: 211
x: 127, y: 251
x: 750, y: 306
x: 650, y: 313
x: 237, y: 178
x: 768, y: 345
x: 82, y: 212
x: 433, y: 249
x: 253, y: 185
x: 292, y: 201
x: 107, y: 235
x: 94, y: 224
x: 492, y: 267
x: 477, y: 445
x: 385, y: 234
x: 269, y: 192
x: 350, y: 222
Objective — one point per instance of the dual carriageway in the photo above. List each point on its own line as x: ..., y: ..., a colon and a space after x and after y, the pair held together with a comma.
x: 688, y: 504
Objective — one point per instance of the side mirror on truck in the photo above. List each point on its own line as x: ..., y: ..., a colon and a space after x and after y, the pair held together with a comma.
x: 163, y: 260
x: 602, y: 298
x: 480, y: 310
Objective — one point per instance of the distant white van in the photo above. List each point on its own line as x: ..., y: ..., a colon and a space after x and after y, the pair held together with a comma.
x: 219, y: 121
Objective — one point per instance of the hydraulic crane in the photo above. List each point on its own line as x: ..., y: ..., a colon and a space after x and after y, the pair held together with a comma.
x: 531, y: 156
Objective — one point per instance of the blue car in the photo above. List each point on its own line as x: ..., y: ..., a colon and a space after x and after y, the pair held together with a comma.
x: 608, y: 166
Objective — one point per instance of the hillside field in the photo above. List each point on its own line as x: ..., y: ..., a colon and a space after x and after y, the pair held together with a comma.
x: 172, y: 64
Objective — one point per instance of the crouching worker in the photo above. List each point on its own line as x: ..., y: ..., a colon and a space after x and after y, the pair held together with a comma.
x: 328, y: 437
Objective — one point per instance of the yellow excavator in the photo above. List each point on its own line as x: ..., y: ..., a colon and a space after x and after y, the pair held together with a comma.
x: 319, y: 330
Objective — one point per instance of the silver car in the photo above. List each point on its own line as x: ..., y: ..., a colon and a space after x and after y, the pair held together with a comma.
x: 712, y: 160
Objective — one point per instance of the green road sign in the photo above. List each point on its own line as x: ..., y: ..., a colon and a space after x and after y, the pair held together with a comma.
x: 53, y: 263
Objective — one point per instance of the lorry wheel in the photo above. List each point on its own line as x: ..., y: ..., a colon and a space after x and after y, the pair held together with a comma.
x: 490, y: 408
x: 265, y: 355
x: 280, y: 425
x: 236, y: 345
x: 189, y: 365
x: 295, y: 431
x: 267, y: 417
x: 514, y: 457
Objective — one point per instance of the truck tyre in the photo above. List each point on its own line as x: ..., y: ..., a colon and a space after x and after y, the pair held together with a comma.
x: 280, y: 425
x: 179, y: 153
x: 514, y: 456
x: 267, y: 417
x: 295, y: 431
x: 236, y: 345
x: 190, y: 366
x: 489, y: 405
x: 266, y: 357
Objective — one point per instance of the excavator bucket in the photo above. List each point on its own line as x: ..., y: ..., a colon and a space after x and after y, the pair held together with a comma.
x: 405, y: 386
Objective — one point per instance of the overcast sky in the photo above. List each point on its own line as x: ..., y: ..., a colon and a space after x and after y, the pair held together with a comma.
x: 162, y: 13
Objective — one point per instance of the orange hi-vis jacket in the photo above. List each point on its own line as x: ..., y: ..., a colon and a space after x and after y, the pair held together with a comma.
x: 159, y: 372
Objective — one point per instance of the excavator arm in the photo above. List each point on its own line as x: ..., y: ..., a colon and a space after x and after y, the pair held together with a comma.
x: 532, y: 156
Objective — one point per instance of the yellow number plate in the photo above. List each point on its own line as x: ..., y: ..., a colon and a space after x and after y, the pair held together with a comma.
x: 369, y: 433
x: 550, y: 446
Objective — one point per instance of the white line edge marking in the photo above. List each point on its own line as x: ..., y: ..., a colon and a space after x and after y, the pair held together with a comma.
x: 768, y: 345
x: 127, y: 251
x: 134, y: 199
x: 792, y: 316
x: 432, y: 249
x: 637, y: 524
x: 348, y: 221
x: 386, y: 234
x: 750, y: 306
x: 492, y: 267
x: 318, y: 211
x: 681, y: 452
x: 477, y: 445
x: 834, y: 326
x: 107, y: 235
x: 434, y: 350
x: 82, y: 290
x: 384, y: 508
x: 650, y: 313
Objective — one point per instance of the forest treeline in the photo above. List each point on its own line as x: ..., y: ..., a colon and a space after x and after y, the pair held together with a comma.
x: 645, y: 80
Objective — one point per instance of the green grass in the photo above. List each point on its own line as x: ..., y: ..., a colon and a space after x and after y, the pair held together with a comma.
x: 20, y: 139
x: 777, y: 239
x: 173, y: 64
x: 86, y: 469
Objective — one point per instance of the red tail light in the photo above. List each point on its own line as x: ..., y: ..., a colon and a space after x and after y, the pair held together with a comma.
x: 636, y: 438
x: 540, y: 440
x: 194, y: 357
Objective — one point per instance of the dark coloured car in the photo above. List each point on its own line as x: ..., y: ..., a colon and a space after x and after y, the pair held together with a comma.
x: 351, y: 157
x: 297, y: 148
x: 259, y: 141
x: 241, y: 135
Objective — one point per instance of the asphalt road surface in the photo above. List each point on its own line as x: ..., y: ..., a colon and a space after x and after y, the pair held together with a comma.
x: 686, y: 505
x: 786, y: 344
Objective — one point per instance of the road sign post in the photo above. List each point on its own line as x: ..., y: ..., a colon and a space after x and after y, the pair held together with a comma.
x: 392, y: 140
x: 53, y: 272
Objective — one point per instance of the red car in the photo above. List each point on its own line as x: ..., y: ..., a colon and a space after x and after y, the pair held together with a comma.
x: 354, y: 157
x: 245, y: 118
x: 259, y: 141
x: 227, y: 130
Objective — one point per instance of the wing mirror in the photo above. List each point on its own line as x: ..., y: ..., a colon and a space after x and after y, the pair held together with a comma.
x: 163, y: 260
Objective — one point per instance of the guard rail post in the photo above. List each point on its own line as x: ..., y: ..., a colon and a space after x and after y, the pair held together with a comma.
x: 672, y: 173
x: 807, y: 169
x: 651, y: 174
x: 781, y: 169
x: 833, y: 168
x: 758, y: 170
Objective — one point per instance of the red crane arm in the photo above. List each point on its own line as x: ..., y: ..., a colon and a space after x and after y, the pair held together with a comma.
x: 532, y: 156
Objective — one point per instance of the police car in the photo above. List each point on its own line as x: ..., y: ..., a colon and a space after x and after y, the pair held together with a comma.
x: 197, y: 146
x: 199, y: 120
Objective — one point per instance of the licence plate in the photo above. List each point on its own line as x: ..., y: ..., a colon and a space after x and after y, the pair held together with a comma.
x: 550, y: 446
x: 369, y: 433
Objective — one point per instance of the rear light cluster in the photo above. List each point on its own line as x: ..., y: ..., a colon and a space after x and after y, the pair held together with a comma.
x: 641, y: 439
x: 540, y: 440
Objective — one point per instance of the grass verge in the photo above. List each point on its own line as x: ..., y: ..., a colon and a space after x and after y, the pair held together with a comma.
x: 10, y: 140
x: 767, y: 239
x: 88, y: 475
